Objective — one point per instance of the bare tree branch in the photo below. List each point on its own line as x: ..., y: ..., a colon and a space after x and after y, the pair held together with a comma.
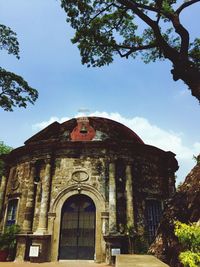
x: 186, y: 4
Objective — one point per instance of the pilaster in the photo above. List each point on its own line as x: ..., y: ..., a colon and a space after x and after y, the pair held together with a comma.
x: 2, y: 191
x: 43, y: 216
x: 29, y: 210
x: 112, y: 199
x: 129, y: 197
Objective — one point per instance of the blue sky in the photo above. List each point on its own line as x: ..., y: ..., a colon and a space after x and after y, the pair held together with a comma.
x: 144, y: 97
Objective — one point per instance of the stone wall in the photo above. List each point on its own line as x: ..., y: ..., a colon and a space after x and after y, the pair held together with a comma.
x: 66, y: 167
x: 118, y: 177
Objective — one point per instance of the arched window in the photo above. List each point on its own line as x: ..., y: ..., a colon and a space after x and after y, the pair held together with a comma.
x: 11, y: 212
x: 153, y: 216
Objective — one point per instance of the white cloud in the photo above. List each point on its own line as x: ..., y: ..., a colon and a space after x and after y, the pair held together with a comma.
x: 41, y: 125
x: 151, y: 134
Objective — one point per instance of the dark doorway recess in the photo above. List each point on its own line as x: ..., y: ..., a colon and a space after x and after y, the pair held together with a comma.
x: 77, y: 235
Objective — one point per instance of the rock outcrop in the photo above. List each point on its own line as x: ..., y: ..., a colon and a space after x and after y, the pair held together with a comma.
x: 183, y: 206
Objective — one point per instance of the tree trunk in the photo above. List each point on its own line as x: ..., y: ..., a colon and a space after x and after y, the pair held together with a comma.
x: 190, y: 75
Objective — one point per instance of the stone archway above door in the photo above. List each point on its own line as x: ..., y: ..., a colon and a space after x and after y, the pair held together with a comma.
x: 54, y: 221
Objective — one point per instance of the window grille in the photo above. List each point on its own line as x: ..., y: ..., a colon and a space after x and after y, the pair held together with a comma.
x: 153, y: 213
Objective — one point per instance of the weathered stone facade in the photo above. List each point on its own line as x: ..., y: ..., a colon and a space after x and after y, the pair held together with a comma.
x: 103, y: 160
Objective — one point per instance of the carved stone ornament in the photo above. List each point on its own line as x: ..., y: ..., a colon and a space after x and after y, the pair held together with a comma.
x: 80, y: 176
x: 15, y: 184
x: 15, y: 181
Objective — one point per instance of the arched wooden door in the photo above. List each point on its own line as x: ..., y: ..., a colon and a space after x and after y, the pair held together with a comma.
x: 77, y: 235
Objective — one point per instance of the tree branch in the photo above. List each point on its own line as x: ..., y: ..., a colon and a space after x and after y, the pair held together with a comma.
x: 134, y: 49
x: 186, y: 4
x: 133, y: 6
x: 100, y: 12
x: 185, y: 38
x: 168, y: 51
x: 150, y: 8
x: 131, y: 49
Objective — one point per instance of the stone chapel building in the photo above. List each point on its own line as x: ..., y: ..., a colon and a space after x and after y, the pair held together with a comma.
x: 82, y: 188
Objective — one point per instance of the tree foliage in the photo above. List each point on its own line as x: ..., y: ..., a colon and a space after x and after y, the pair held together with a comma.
x: 149, y: 28
x: 4, y: 149
x: 189, y: 237
x: 8, y: 237
x: 196, y: 159
x: 14, y: 90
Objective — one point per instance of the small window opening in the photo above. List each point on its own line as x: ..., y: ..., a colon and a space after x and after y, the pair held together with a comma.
x: 12, y: 212
x: 37, y: 172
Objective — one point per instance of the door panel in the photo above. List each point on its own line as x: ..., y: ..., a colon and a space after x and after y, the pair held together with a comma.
x: 77, y: 237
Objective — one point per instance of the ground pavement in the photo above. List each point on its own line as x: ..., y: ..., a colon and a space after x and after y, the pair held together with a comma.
x: 70, y: 263
x: 121, y: 261
x: 138, y: 261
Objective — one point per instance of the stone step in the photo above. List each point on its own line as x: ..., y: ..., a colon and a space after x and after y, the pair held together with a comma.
x: 138, y: 261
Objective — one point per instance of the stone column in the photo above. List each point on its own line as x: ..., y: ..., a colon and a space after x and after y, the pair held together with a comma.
x: 38, y: 195
x: 112, y: 199
x: 2, y: 191
x: 104, y: 222
x: 129, y: 197
x: 43, y: 216
x: 29, y: 210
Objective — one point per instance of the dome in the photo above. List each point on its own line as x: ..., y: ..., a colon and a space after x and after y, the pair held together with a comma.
x: 86, y: 129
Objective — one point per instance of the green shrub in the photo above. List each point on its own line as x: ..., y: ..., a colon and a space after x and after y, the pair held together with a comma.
x: 191, y: 259
x: 8, y: 237
x: 189, y: 237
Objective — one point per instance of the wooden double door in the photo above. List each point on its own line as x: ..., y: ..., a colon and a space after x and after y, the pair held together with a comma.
x: 77, y: 235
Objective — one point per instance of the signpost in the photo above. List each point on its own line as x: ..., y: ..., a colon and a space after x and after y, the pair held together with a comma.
x: 34, y: 251
x: 115, y: 251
